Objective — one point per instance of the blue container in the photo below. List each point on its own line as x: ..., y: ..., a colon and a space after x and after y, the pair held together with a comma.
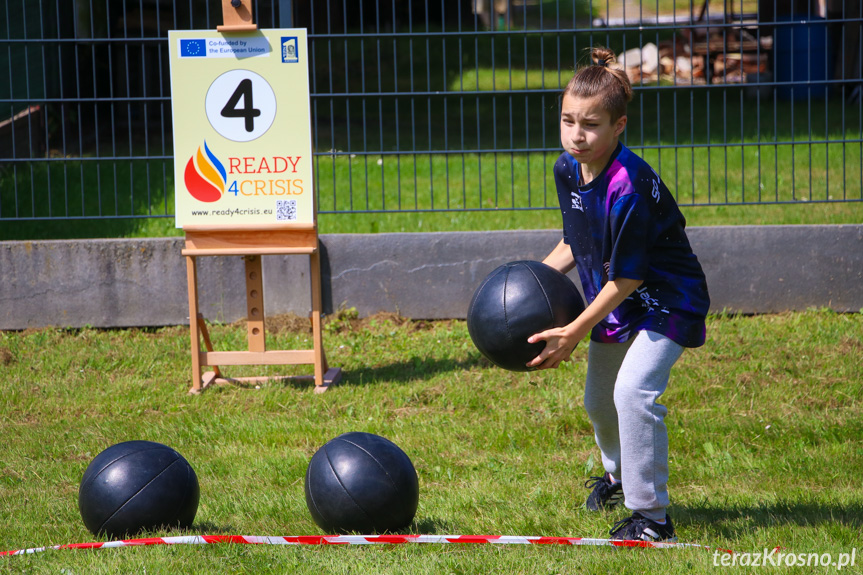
x: 801, y: 55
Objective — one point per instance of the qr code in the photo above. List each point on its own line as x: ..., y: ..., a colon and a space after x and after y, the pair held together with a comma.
x: 286, y: 210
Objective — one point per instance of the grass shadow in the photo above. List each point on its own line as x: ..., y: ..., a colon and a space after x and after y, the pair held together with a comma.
x: 731, y: 518
x: 432, y: 526
x: 407, y: 371
x: 209, y: 528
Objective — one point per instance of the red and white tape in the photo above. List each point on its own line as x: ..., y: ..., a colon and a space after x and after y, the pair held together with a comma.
x: 358, y: 540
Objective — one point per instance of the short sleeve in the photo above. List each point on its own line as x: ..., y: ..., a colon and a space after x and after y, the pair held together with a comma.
x: 567, y: 185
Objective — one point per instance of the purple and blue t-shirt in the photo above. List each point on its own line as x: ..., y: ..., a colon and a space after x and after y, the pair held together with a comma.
x: 625, y: 223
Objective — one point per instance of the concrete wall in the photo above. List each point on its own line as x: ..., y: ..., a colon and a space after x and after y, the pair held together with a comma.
x: 120, y: 283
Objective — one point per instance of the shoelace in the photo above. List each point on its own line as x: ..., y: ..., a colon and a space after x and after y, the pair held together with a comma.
x: 641, y: 528
x: 621, y: 524
x: 593, y: 481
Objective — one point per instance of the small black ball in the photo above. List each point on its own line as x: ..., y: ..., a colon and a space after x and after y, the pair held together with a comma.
x: 135, y: 486
x: 515, y: 301
x: 361, y: 482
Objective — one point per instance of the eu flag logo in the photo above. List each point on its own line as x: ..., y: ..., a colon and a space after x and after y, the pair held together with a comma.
x: 193, y: 48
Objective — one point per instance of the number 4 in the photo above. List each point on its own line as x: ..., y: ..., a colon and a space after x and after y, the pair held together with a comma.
x: 248, y: 111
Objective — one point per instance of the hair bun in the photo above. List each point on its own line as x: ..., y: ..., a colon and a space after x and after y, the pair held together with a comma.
x: 602, y: 56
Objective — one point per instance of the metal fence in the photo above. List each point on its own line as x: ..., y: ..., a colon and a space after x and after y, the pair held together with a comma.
x: 447, y: 105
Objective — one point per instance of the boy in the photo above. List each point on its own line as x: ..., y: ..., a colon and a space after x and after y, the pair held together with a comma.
x: 646, y: 293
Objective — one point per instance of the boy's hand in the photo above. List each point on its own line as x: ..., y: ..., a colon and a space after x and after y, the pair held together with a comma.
x: 560, y: 342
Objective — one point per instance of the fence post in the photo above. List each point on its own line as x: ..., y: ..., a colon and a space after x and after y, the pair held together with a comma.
x: 286, y: 14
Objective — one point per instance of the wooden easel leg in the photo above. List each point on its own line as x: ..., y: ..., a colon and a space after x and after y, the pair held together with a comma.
x: 324, y: 376
x: 194, y: 332
x: 210, y: 376
x: 208, y: 344
x: 317, y: 331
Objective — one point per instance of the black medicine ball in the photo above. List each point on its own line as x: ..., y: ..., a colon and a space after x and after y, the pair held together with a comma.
x: 363, y: 483
x: 515, y: 301
x: 136, y: 486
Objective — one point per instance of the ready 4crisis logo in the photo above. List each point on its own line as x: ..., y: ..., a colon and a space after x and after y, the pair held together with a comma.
x: 207, y: 178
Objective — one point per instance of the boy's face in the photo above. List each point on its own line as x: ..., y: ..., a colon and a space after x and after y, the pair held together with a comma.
x: 587, y: 132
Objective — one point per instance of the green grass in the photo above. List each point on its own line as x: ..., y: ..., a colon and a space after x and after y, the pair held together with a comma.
x: 66, y: 199
x: 764, y: 423
x: 499, y: 191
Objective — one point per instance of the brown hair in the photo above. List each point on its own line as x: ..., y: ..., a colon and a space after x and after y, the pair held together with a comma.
x: 599, y: 79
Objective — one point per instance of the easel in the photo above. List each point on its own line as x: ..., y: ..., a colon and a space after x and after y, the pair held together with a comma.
x: 252, y: 242
x: 237, y: 16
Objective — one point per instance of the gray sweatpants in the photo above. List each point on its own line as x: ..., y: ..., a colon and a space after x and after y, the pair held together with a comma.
x: 624, y: 382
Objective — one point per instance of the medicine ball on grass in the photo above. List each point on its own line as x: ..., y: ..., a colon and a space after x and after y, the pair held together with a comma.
x: 135, y: 486
x: 361, y: 482
x: 515, y: 301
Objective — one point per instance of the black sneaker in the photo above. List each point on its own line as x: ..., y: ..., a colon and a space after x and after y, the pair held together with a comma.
x: 605, y: 494
x: 640, y: 528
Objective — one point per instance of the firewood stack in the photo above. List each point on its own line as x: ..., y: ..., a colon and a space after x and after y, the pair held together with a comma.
x: 724, y: 56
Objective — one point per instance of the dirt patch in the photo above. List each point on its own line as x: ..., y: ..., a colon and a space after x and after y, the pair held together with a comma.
x: 381, y: 318
x: 346, y: 321
x: 849, y: 346
x: 340, y: 323
x: 289, y: 322
x: 6, y: 356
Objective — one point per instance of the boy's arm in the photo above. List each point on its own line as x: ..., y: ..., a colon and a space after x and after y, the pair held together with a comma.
x: 561, y: 341
x: 560, y: 258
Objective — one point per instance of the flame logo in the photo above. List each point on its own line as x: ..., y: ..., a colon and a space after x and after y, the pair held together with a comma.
x: 205, y: 176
